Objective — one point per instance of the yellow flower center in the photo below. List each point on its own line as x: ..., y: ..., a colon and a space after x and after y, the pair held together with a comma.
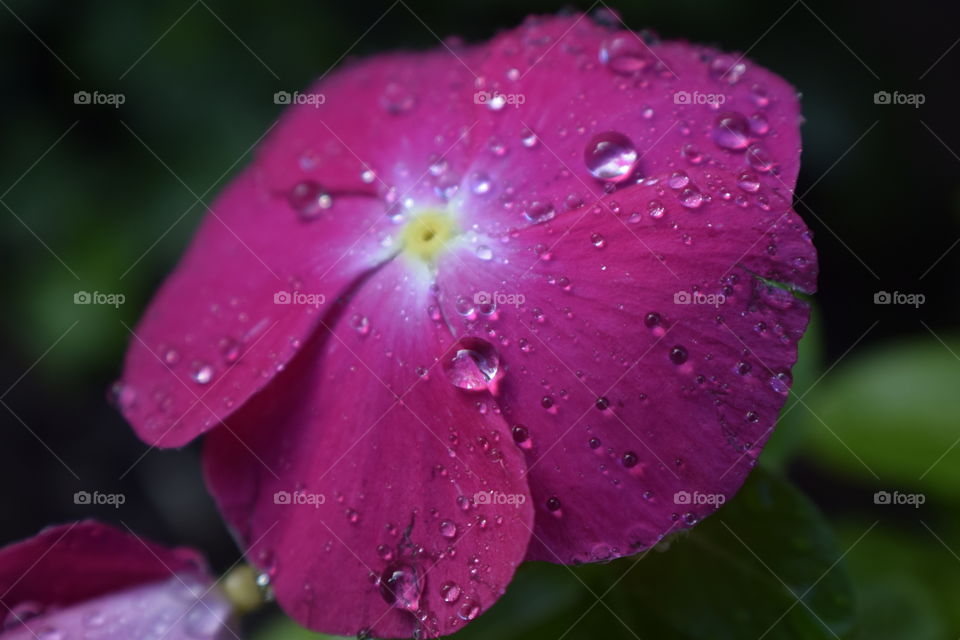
x: 426, y: 234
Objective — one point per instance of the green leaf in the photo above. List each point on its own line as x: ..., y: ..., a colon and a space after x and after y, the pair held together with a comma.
x: 896, y: 410
x: 763, y: 565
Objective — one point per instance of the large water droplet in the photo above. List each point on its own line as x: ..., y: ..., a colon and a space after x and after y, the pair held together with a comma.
x: 474, y: 365
x: 610, y: 156
x: 540, y: 211
x: 732, y: 131
x: 450, y: 592
x: 625, y: 55
x: 400, y: 586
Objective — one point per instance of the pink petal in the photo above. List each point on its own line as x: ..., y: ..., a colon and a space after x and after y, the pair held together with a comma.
x: 700, y: 214
x: 93, y: 581
x: 365, y: 463
x: 215, y: 333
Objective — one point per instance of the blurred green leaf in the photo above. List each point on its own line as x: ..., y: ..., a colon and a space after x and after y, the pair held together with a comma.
x: 903, y: 592
x: 896, y: 410
x: 761, y: 566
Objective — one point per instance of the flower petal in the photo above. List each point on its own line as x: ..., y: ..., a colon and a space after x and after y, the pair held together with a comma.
x: 642, y: 365
x: 249, y: 290
x: 633, y: 171
x: 364, y: 464
x: 93, y: 581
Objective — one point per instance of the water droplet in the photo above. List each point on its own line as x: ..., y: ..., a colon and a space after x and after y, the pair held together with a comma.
x: 450, y: 592
x: 625, y: 55
x: 529, y: 139
x: 759, y: 159
x: 748, y: 182
x: 731, y: 131
x: 201, y: 373
x: 678, y: 180
x: 691, y: 199
x: 629, y: 459
x: 598, y: 240
x: 309, y: 199
x: 610, y: 156
x: 480, y: 183
x: 678, y: 355
x: 540, y: 211
x: 448, y: 529
x: 484, y: 252
x: 553, y: 504
x: 230, y: 349
x: 521, y: 435
x: 469, y: 610
x: 400, y: 586
x: 474, y: 365
x: 361, y: 324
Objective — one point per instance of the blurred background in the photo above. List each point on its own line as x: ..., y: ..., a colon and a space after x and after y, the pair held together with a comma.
x: 104, y: 198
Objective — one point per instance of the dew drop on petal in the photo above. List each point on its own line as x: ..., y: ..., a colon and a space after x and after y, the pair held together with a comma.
x: 309, y: 199
x: 201, y: 373
x: 400, y: 586
x: 474, y: 365
x: 469, y: 610
x: 449, y: 592
x: 610, y: 156
x: 448, y: 529
x: 731, y: 131
x: 625, y: 55
x: 540, y: 211
x: 678, y: 355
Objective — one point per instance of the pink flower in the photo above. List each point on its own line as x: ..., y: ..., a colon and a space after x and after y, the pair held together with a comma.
x: 88, y: 580
x: 526, y: 300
